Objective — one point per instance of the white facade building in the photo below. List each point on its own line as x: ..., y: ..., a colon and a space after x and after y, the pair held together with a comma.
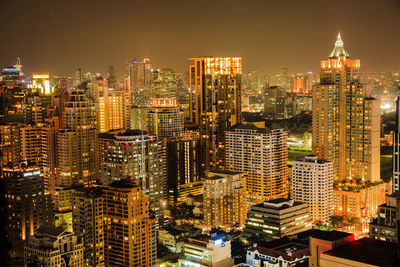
x: 312, y: 183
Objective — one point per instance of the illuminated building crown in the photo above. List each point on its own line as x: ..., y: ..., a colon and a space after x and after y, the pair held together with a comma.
x: 339, y: 51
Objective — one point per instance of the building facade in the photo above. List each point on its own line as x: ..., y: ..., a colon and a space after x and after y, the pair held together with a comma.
x: 346, y: 122
x: 224, y: 199
x: 215, y: 103
x: 52, y: 247
x: 277, y: 218
x: 88, y: 217
x: 138, y: 155
x: 261, y: 154
x: 130, y: 236
x: 312, y: 183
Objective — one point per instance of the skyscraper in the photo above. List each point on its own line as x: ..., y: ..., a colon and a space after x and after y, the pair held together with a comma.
x: 312, y: 183
x: 224, y: 199
x: 261, y: 154
x: 140, y: 156
x: 165, y: 119
x: 28, y: 204
x: 396, y: 148
x: 130, y: 237
x: 215, y: 103
x: 88, y: 217
x: 346, y: 122
x: 76, y: 152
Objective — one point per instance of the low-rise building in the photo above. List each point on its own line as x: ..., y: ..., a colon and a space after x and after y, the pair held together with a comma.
x: 277, y: 218
x: 384, y: 226
x: 365, y: 252
x: 50, y: 247
x: 207, y: 251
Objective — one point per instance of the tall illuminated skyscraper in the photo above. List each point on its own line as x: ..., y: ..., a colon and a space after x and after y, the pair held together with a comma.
x: 130, y: 231
x: 165, y: 119
x: 163, y: 83
x: 396, y: 148
x: 215, y: 103
x: 76, y: 151
x: 140, y: 156
x: 28, y: 204
x: 261, y: 154
x: 111, y: 106
x: 346, y: 122
x: 224, y: 199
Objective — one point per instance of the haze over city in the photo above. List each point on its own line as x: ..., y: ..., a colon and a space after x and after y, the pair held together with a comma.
x: 56, y: 38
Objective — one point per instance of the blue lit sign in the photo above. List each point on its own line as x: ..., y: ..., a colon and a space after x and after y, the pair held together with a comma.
x: 217, y: 242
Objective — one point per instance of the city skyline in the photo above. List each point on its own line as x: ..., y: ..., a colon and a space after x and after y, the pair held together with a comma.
x: 270, y: 34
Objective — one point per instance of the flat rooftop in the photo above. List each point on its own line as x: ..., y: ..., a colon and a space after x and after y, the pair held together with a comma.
x: 367, y: 250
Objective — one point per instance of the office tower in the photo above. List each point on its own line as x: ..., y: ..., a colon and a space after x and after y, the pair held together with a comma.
x: 130, y: 236
x: 274, y: 102
x: 346, y: 123
x: 31, y: 143
x: 277, y: 218
x: 261, y: 154
x: 139, y: 73
x: 50, y: 246
x: 215, y: 103
x: 312, y: 183
x: 28, y: 204
x: 111, y: 105
x: 224, y: 199
x: 140, y: 156
x: 10, y: 143
x: 76, y: 152
x: 163, y: 83
x: 396, y: 148
x: 183, y: 167
x: 207, y: 250
x: 49, y: 152
x: 35, y: 110
x: 385, y: 225
x: 78, y: 77
x: 165, y: 119
x: 76, y: 141
x: 88, y: 216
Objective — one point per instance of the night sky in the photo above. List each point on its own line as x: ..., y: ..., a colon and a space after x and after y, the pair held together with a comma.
x: 57, y: 36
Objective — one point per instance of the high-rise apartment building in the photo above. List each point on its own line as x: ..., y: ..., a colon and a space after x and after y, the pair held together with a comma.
x: 261, y: 154
x: 10, y: 143
x: 88, y: 217
x: 31, y: 143
x: 130, y: 231
x: 396, y: 148
x: 49, y: 152
x: 28, y: 204
x: 112, y: 104
x: 275, y: 102
x: 312, y: 183
x: 76, y: 141
x: 224, y: 199
x: 165, y: 119
x: 76, y: 152
x: 346, y: 122
x: 140, y: 156
x: 215, y: 103
x: 52, y: 247
x: 277, y: 218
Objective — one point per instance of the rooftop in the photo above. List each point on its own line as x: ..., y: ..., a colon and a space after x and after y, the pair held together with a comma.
x: 252, y: 127
x: 279, y: 204
x: 339, y: 51
x: 323, y: 235
x: 366, y: 250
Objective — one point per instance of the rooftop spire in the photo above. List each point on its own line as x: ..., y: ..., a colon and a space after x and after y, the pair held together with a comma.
x: 339, y: 51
